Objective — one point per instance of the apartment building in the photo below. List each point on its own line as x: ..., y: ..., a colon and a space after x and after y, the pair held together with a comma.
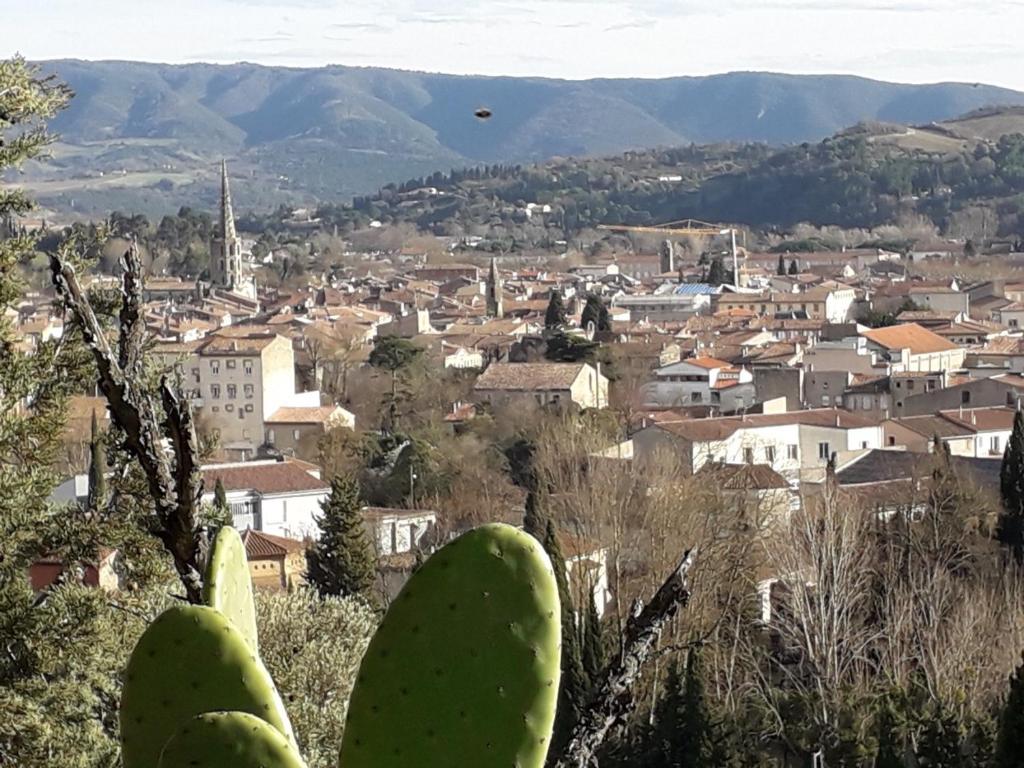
x: 700, y: 381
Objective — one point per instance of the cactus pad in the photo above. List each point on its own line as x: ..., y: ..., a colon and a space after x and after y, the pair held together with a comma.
x: 227, y: 585
x: 228, y: 740
x: 191, y: 660
x: 464, y: 669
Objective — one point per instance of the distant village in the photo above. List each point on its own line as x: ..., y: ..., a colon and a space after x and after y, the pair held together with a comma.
x: 772, y: 377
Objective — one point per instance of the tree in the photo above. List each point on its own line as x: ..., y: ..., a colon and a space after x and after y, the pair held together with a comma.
x: 594, y: 311
x: 342, y: 563
x: 220, y: 496
x: 572, y: 692
x: 794, y: 268
x: 97, y: 467
x: 1010, y: 739
x: 554, y: 316
x: 593, y: 641
x: 970, y: 251
x: 781, y: 269
x: 716, y: 273
x: 890, y: 751
x: 533, y: 520
x: 940, y: 743
x: 567, y: 348
x: 395, y: 355
x: 1011, y: 490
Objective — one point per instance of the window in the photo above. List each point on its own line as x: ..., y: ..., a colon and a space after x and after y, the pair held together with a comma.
x: 229, y: 408
x: 769, y: 454
x: 866, y: 402
x: 910, y: 384
x: 270, y: 436
x: 823, y: 451
x: 1013, y: 322
x: 247, y: 366
x: 892, y: 439
x: 230, y: 365
x: 296, y: 434
x: 241, y: 415
x: 215, y: 366
x: 696, y: 397
x: 792, y: 452
x: 215, y: 391
x: 248, y: 389
x: 994, y: 444
x: 248, y: 408
x: 930, y: 385
x: 824, y: 385
x: 825, y: 401
x: 215, y: 408
x: 748, y: 455
x: 864, y: 445
x: 195, y: 374
x: 965, y: 398
x: 246, y: 434
x: 232, y: 391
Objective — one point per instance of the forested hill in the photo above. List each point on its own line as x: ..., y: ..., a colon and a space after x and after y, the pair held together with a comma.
x: 147, y: 136
x: 966, y: 176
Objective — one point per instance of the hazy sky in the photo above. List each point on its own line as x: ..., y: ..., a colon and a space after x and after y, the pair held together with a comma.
x: 903, y: 40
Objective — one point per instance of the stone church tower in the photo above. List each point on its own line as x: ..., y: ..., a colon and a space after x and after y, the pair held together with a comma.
x: 226, y: 271
x: 495, y: 307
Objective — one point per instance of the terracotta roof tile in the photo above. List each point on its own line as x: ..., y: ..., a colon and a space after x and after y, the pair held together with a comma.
x: 909, y: 336
x: 259, y: 545
x: 529, y: 376
x: 268, y: 477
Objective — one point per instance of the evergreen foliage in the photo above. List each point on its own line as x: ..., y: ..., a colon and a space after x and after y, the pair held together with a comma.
x: 572, y: 693
x: 568, y: 348
x: 1009, y: 747
x: 533, y: 519
x: 97, y: 467
x: 794, y: 268
x: 554, y: 315
x: 716, y: 272
x: 342, y: 563
x: 595, y: 311
x: 940, y: 745
x: 1011, y: 490
x: 781, y: 268
x: 593, y: 642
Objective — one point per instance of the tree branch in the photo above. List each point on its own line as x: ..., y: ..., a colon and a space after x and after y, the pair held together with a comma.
x: 172, y: 475
x: 614, y: 697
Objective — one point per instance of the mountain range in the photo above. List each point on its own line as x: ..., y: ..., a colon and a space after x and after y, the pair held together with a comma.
x: 147, y: 137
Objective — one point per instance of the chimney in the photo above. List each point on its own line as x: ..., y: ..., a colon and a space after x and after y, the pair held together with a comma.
x: 974, y: 417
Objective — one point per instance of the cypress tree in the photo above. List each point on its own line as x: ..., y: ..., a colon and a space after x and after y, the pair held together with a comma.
x: 662, y: 747
x: 695, y: 732
x: 97, y: 467
x: 1009, y: 752
x: 533, y: 519
x: 716, y: 273
x: 781, y: 269
x: 594, y: 311
x: 572, y: 692
x: 793, y: 268
x: 1011, y: 489
x: 593, y: 643
x: 554, y: 316
x: 341, y: 562
x: 220, y: 496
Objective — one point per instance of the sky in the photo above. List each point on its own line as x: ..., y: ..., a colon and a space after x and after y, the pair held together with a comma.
x: 900, y: 40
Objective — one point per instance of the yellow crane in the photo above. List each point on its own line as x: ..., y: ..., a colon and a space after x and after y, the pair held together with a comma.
x: 685, y: 227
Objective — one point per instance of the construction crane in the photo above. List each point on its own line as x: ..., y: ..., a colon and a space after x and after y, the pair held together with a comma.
x: 685, y: 227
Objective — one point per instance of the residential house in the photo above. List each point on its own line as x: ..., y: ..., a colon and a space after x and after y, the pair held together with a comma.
x: 1004, y: 389
x: 275, y: 562
x: 910, y: 347
x: 281, y: 498
x: 699, y: 380
x: 296, y: 431
x: 975, y: 432
x: 544, y: 384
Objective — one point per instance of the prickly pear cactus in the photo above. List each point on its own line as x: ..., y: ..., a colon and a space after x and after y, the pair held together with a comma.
x: 464, y: 669
x: 228, y: 740
x: 191, y: 660
x: 227, y: 585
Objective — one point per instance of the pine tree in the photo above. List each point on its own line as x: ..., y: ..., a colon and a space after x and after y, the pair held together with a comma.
x: 593, y: 642
x: 1011, y: 489
x: 572, y: 692
x: 97, y: 468
x: 890, y: 741
x: 940, y: 744
x: 695, y: 740
x: 662, y: 740
x: 794, y: 269
x: 781, y: 269
x: 554, y: 316
x: 341, y: 562
x: 1009, y: 752
x: 533, y: 518
x: 716, y: 273
x: 594, y: 311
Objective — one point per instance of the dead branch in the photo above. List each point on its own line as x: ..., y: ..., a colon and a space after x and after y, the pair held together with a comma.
x: 614, y: 698
x: 165, y: 446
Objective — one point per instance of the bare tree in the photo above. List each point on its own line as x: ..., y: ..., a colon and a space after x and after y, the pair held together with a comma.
x: 156, y: 423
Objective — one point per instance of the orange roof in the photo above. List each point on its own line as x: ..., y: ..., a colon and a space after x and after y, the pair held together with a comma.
x: 909, y: 336
x: 266, y: 477
x: 259, y: 545
x: 706, y: 362
x: 303, y: 415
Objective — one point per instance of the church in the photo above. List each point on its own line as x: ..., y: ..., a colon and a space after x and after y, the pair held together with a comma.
x: 228, y: 273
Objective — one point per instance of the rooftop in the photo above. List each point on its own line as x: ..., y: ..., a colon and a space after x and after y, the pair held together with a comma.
x: 918, y: 340
x: 265, y: 477
x: 529, y: 376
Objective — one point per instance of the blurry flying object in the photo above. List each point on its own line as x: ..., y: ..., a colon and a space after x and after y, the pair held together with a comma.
x: 483, y: 113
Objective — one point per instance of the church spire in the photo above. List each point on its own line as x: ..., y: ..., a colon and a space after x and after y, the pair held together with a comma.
x: 227, y: 216
x: 495, y: 307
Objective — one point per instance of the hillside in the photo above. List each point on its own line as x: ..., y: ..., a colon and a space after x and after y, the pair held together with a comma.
x: 147, y: 136
x: 965, y: 175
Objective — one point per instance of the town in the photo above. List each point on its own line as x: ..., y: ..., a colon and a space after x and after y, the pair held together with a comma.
x: 740, y: 494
